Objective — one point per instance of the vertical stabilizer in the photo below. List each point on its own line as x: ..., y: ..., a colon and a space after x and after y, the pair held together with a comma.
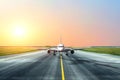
x: 60, y: 40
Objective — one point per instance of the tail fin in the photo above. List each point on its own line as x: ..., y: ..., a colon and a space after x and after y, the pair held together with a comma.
x: 60, y: 40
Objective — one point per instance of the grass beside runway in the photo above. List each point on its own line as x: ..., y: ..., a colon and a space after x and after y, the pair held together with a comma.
x: 111, y: 50
x: 7, y: 50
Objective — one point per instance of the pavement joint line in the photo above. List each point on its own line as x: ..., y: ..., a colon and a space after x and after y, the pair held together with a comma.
x: 62, y: 68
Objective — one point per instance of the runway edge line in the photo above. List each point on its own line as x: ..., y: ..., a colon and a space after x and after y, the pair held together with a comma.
x: 62, y: 68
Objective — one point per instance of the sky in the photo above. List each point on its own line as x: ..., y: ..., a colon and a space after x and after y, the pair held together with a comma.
x: 42, y: 22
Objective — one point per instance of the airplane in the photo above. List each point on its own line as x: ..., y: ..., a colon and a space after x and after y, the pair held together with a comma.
x: 60, y: 48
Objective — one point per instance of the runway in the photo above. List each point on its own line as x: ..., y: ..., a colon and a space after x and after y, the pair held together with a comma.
x: 78, y: 66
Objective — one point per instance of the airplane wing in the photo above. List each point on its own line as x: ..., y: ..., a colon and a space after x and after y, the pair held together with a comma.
x: 70, y: 48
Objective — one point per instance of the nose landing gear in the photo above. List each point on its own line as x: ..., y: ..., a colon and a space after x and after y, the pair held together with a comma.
x: 54, y: 54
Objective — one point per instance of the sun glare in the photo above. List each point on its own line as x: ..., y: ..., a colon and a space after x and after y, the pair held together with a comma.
x: 18, y: 34
x: 19, y: 31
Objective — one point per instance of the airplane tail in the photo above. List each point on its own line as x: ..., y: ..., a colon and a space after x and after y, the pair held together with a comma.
x: 60, y: 40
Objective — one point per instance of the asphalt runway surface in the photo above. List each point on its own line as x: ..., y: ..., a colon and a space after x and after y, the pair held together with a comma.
x: 42, y: 66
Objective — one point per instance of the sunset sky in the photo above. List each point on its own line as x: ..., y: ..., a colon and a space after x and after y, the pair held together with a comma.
x: 41, y: 22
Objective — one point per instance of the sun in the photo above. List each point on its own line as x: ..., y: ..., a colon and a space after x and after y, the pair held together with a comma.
x: 19, y: 31
x: 19, y: 34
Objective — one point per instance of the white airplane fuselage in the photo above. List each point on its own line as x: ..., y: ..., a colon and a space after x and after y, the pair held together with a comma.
x: 60, y: 48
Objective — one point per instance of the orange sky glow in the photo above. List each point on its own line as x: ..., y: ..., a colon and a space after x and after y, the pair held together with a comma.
x: 41, y: 23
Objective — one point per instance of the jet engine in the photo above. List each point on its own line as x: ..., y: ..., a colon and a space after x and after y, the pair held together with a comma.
x: 48, y: 51
x: 72, y: 51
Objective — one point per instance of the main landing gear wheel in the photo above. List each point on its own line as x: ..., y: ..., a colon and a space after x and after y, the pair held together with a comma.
x: 67, y: 54
x: 54, y: 54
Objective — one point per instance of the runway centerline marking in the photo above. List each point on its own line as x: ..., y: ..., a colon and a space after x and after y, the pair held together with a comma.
x: 62, y: 68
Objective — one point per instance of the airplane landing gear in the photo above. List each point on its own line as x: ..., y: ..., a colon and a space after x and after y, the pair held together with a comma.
x: 67, y: 54
x: 54, y: 54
